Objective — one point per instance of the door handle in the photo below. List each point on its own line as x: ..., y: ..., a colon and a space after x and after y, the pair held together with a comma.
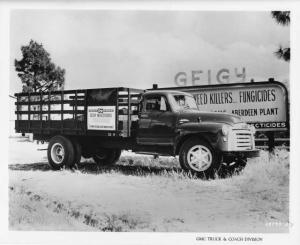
x: 144, y: 116
x: 183, y: 120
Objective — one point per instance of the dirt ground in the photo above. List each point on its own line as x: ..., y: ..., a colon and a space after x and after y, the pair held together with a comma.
x: 144, y: 194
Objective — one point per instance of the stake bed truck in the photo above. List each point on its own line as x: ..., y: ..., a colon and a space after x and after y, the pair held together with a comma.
x: 100, y: 123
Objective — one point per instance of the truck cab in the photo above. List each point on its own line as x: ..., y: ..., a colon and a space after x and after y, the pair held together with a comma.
x: 171, y: 120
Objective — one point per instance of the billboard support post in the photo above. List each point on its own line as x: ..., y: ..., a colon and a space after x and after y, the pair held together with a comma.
x: 271, y: 141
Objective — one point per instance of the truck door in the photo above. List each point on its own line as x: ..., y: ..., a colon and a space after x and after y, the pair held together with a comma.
x: 157, y: 121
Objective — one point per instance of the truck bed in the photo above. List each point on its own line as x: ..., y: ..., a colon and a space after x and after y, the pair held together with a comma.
x: 99, y: 112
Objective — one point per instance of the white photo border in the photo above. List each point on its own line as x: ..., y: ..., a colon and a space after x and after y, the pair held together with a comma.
x: 7, y: 236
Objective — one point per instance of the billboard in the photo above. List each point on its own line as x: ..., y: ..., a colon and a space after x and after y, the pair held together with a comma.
x: 262, y: 104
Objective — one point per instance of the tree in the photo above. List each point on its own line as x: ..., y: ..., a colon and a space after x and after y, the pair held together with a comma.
x: 282, y: 18
x: 36, y: 70
x: 283, y: 53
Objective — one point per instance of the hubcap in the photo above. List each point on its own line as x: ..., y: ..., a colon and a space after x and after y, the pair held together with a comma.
x: 199, y: 158
x: 57, y: 153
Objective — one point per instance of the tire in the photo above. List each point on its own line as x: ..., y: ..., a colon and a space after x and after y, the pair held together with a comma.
x: 77, y: 152
x: 198, y: 157
x: 107, y: 156
x: 118, y: 153
x: 60, y: 152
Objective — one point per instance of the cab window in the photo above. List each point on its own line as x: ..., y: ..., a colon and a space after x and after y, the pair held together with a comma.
x: 155, y: 103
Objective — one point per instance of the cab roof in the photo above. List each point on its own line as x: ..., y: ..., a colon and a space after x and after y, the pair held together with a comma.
x: 165, y: 92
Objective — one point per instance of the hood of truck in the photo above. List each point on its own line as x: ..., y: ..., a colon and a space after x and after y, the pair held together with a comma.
x: 213, y: 117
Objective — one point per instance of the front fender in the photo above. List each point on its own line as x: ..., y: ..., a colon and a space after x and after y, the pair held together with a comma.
x: 211, y: 132
x: 200, y: 127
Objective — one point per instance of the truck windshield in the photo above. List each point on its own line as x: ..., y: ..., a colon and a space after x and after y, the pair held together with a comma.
x: 183, y: 102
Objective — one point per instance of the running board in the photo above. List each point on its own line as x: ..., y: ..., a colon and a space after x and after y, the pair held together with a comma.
x: 152, y: 153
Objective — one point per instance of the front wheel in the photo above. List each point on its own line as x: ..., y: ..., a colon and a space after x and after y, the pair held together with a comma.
x: 197, y: 156
x: 107, y: 156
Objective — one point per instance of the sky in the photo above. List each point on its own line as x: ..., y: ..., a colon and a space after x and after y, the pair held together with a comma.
x: 110, y: 48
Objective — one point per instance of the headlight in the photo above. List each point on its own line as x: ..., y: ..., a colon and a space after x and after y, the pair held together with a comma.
x: 225, y: 130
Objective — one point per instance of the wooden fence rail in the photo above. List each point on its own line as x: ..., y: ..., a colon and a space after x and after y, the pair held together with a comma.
x: 270, y: 144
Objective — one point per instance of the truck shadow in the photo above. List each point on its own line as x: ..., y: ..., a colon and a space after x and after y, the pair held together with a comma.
x: 40, y: 166
x: 92, y: 168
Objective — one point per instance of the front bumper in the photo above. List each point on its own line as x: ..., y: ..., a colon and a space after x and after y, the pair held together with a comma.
x: 241, y: 154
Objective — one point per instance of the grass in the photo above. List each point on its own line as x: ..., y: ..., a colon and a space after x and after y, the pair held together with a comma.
x: 29, y: 211
x: 266, y: 179
x: 141, y: 193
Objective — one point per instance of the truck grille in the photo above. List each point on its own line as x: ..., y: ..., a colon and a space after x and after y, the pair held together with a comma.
x: 241, y: 138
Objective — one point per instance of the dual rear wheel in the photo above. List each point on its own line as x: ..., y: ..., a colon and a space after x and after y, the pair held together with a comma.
x: 65, y: 152
x: 107, y: 156
x: 61, y: 152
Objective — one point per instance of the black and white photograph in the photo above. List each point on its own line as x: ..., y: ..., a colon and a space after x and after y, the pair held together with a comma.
x: 152, y: 121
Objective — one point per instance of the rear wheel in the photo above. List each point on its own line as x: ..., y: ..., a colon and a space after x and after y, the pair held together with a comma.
x: 197, y: 156
x: 77, y: 152
x: 60, y: 152
x: 107, y: 156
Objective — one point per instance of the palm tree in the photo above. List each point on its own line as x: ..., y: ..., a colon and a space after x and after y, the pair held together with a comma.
x: 283, y: 53
x: 282, y: 18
